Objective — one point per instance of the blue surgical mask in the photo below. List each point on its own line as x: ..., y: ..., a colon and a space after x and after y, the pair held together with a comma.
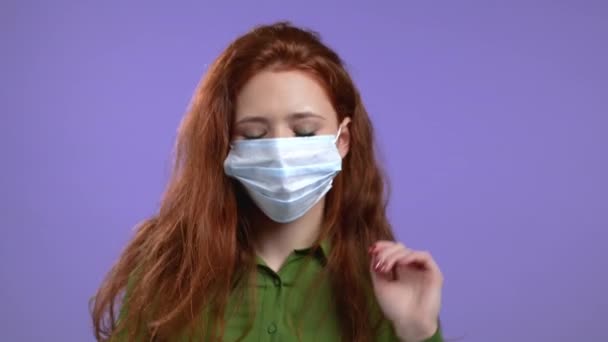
x: 285, y: 177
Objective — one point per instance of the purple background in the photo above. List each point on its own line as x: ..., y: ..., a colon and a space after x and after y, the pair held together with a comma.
x: 491, y: 118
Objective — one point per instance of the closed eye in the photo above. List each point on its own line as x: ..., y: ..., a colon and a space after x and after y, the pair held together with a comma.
x: 253, y: 131
x: 305, y: 134
x: 253, y: 137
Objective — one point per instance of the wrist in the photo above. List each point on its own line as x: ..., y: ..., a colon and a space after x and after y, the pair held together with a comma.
x: 418, y: 332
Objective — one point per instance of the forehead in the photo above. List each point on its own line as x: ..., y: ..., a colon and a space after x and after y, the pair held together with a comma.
x: 277, y: 94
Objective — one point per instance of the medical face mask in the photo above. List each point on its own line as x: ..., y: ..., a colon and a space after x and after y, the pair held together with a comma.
x: 285, y: 177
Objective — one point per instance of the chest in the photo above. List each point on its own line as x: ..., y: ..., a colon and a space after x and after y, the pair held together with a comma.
x: 282, y: 309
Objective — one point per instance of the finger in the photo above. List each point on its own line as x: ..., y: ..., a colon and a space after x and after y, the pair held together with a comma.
x: 392, y: 259
x: 421, y: 259
x: 376, y: 275
x: 380, y: 245
x: 383, y: 255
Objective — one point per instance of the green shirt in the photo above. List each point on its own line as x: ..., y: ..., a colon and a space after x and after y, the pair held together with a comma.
x: 285, y: 306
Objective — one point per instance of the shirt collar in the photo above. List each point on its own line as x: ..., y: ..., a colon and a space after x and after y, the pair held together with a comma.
x: 325, y: 247
x: 322, y: 253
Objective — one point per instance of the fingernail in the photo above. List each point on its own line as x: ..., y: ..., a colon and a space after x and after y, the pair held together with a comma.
x: 379, y: 264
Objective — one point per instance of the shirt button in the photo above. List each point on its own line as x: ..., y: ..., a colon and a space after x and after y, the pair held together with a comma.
x: 277, y: 282
x: 272, y: 328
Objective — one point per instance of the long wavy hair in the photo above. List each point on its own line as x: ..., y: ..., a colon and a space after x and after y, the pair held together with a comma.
x: 184, y: 259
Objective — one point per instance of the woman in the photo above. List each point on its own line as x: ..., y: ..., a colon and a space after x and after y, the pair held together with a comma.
x: 273, y: 226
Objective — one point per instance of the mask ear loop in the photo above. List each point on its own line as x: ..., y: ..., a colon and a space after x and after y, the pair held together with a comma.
x: 338, y: 134
x: 340, y: 130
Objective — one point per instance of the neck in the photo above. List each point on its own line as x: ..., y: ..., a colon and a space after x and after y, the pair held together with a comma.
x: 274, y: 241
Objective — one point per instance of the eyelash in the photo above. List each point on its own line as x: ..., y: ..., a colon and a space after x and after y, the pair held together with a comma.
x: 249, y: 137
x: 297, y: 134
x: 307, y: 134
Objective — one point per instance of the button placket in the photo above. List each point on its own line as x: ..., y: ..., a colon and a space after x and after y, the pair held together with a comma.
x: 277, y: 282
x: 272, y: 327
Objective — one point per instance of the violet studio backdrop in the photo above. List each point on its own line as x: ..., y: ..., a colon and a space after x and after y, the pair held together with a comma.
x: 491, y: 118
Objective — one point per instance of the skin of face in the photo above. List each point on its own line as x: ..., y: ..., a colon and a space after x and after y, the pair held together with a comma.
x: 281, y: 104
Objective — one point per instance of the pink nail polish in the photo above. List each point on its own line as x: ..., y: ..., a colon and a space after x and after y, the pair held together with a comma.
x: 378, y: 266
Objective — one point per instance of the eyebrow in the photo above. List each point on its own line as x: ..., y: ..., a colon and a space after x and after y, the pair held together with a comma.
x: 247, y: 119
x: 305, y: 115
x: 292, y: 116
